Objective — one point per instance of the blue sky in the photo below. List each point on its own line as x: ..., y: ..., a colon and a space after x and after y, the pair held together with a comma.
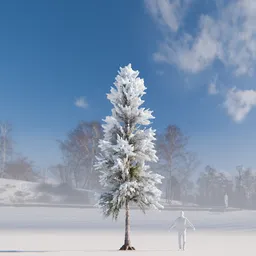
x: 197, y: 58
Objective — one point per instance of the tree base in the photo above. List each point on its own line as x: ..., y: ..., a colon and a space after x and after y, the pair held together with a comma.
x: 127, y: 248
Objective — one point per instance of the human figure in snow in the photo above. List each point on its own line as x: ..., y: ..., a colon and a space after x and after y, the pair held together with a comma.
x: 181, y: 225
x: 226, y: 200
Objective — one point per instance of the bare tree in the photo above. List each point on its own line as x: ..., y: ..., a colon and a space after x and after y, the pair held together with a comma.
x: 212, y: 186
x: 171, y: 151
x: 5, y: 146
x: 239, y: 185
x: 62, y: 173
x: 79, y: 151
x: 245, y: 185
x: 21, y: 169
x: 184, y: 174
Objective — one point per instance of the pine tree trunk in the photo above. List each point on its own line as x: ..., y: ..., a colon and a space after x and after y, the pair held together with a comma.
x: 127, y: 241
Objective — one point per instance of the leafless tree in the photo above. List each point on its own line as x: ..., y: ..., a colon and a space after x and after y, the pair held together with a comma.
x: 171, y: 146
x: 79, y: 151
x: 62, y: 173
x: 188, y: 168
x: 5, y: 146
x: 245, y: 185
x: 21, y: 169
x: 212, y: 186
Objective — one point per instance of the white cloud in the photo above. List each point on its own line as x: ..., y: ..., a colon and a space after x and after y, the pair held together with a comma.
x: 229, y: 36
x: 81, y: 103
x: 212, y: 89
x: 168, y: 13
x: 239, y: 103
x: 188, y: 53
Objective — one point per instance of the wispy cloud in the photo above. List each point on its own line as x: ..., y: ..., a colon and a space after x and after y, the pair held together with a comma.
x: 212, y: 89
x: 239, y: 103
x: 81, y: 102
x: 229, y: 36
x: 168, y: 13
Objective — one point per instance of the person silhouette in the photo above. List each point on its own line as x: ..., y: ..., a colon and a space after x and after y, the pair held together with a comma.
x: 226, y: 200
x: 181, y: 225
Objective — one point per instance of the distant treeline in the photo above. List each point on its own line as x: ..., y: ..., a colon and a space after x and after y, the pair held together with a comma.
x: 176, y: 163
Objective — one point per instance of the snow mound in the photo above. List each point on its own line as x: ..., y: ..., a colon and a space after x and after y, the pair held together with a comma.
x: 22, y: 192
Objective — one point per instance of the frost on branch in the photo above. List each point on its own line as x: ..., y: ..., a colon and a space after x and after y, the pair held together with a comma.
x: 126, y: 147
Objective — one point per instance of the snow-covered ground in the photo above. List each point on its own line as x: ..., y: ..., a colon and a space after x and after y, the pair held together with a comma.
x: 53, y: 231
x: 14, y: 190
x: 19, y: 192
x: 175, y: 203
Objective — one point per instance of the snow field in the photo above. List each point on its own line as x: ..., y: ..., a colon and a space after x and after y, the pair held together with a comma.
x: 100, y: 243
x: 65, y: 231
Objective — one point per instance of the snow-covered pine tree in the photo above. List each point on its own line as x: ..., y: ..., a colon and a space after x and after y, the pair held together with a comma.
x: 125, y: 148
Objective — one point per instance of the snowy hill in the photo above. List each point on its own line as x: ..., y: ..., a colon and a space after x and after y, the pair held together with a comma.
x: 24, y: 192
x: 19, y: 192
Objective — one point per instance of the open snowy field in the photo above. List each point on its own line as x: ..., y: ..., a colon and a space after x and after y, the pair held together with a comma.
x: 53, y: 231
